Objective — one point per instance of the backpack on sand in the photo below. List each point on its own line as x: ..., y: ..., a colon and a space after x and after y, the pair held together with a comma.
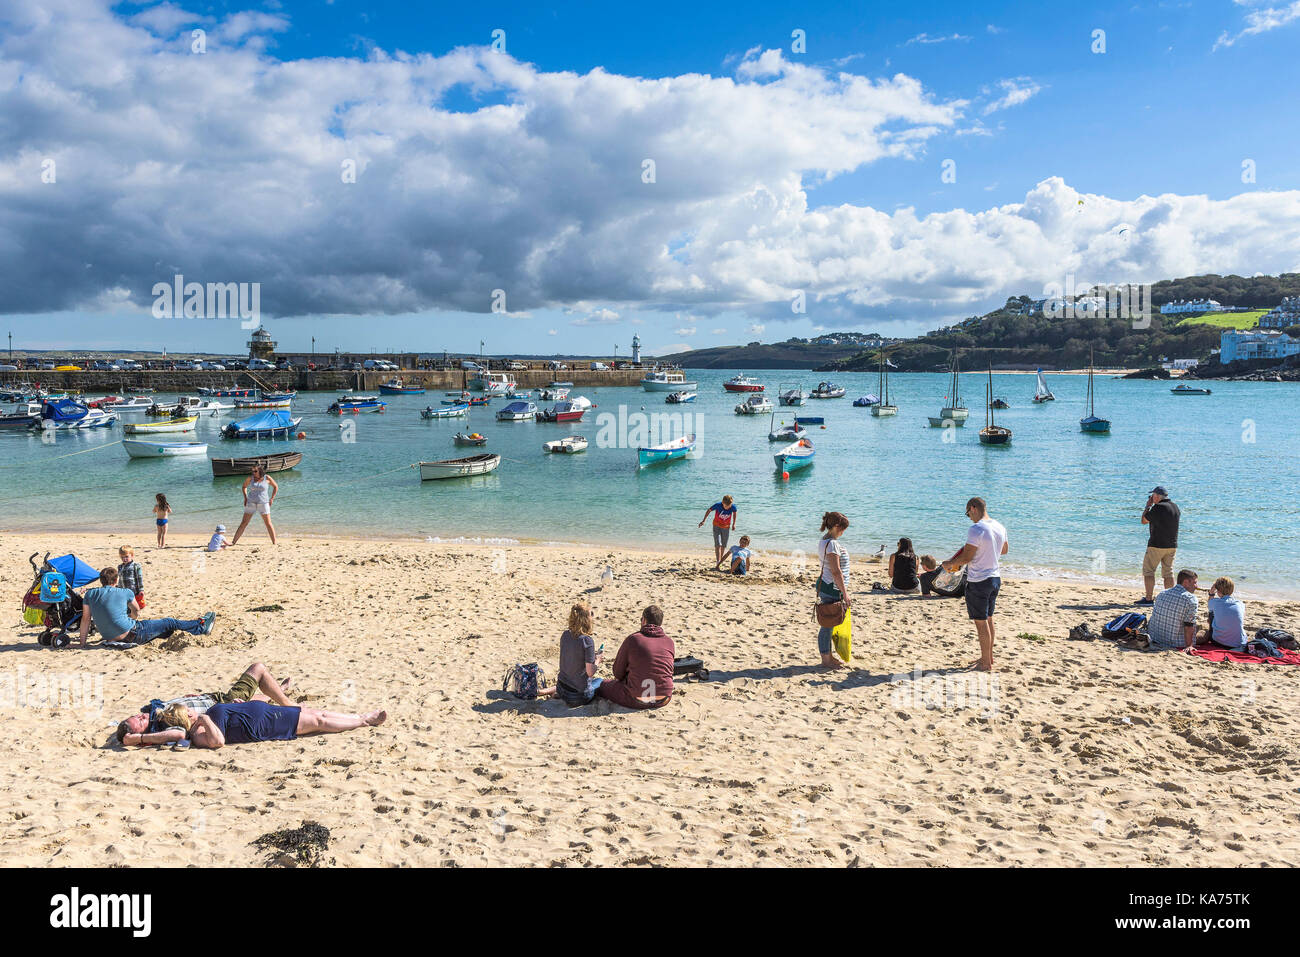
x: 522, y: 681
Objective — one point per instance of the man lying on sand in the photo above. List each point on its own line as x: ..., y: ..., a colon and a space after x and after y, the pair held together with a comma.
x: 255, y: 684
x: 242, y: 722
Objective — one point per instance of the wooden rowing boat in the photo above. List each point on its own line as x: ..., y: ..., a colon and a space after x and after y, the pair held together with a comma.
x: 276, y: 462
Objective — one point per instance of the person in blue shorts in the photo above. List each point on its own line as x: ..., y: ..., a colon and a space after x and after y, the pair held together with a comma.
x: 249, y: 721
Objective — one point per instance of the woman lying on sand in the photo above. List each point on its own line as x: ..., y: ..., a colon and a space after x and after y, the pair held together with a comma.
x: 249, y: 721
x: 147, y: 726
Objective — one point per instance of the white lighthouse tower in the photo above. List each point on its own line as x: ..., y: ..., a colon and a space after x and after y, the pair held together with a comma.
x: 636, y: 349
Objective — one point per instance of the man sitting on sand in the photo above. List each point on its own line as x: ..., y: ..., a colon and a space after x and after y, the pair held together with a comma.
x: 255, y: 684
x: 1173, y: 614
x: 643, y: 667
x: 116, y: 614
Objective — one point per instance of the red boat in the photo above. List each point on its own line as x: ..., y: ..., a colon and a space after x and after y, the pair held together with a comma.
x: 563, y: 412
x: 742, y: 383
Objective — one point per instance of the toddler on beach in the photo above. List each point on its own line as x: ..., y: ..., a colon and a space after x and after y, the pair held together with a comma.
x: 218, y: 540
x: 740, y: 556
x: 130, y: 575
x: 161, y: 511
x: 576, y: 682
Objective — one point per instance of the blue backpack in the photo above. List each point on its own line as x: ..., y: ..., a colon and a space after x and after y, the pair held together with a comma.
x: 522, y: 681
x: 54, y: 587
x: 1124, y: 625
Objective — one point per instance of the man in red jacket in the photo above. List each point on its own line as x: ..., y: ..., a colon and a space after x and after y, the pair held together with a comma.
x: 643, y: 668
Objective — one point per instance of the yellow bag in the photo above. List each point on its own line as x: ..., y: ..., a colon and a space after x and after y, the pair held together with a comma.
x: 842, y: 637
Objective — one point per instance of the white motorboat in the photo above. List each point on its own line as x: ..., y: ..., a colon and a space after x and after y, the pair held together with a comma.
x: 569, y: 445
x: 668, y: 380
x: 755, y: 404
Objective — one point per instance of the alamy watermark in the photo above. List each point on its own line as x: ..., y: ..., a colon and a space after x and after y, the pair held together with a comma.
x: 214, y: 300
x: 625, y: 429
x: 961, y: 691
x: 78, y: 691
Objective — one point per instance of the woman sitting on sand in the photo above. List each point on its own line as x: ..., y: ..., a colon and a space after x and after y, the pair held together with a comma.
x: 576, y: 682
x: 902, y: 568
x: 833, y: 577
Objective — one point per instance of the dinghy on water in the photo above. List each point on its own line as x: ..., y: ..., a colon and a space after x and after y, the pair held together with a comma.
x: 666, y: 452
x: 884, y: 407
x: 140, y: 449
x: 277, y: 462
x: 954, y: 413
x: 459, y: 468
x: 265, y: 425
x: 756, y: 404
x: 795, y: 396
x: 676, y: 398
x: 794, y: 456
x: 473, y: 438
x: 1041, y: 392
x: 185, y: 424
x: 1188, y: 390
x: 827, y: 390
x: 866, y: 401
x: 787, y: 433
x: 451, y: 412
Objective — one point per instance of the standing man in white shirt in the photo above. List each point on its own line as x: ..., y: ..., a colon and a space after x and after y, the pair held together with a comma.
x: 986, y: 542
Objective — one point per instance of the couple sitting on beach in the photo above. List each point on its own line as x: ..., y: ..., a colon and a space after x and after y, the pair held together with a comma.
x: 643, y: 667
x: 906, y: 579
x: 256, y: 708
x: 1174, y: 612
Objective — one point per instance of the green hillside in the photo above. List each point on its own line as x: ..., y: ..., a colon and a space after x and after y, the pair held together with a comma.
x: 1226, y: 320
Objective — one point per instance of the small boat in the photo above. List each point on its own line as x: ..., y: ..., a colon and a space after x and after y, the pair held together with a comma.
x: 274, y: 396
x: 474, y: 438
x: 1041, y: 392
x: 451, y: 412
x: 809, y: 420
x: 66, y: 415
x: 345, y: 406
x: 199, y: 404
x: 866, y: 401
x: 140, y: 449
x: 827, y: 390
x: 272, y: 424
x: 138, y: 403
x: 480, y: 400
x: 103, y: 402
x: 396, y: 387
x: 992, y: 433
x: 457, y: 468
x: 666, y: 452
x: 1092, y: 422
x: 581, y: 402
x: 264, y: 402
x: 795, y: 396
x: 884, y: 406
x: 166, y: 410
x: 754, y: 405
x: 562, y: 412
x: 954, y: 413
x: 794, y: 456
x: 458, y: 398
x: 23, y: 417
x: 676, y: 398
x: 561, y: 385
x: 569, y: 445
x: 999, y: 403
x: 494, y: 383
x: 182, y: 424
x: 277, y: 462
x: 526, y: 394
x: 217, y: 393
x: 1188, y: 390
x: 665, y: 381
x: 142, y: 389
x: 549, y: 394
x: 517, y: 412
x: 742, y: 383
x: 787, y: 433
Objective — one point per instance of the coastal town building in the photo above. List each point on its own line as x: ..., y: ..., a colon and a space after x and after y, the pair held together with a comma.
x: 1235, y: 344
x: 1185, y: 306
x: 1284, y: 315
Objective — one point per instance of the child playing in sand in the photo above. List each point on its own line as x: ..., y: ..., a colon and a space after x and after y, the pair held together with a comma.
x: 740, y: 557
x: 161, y: 511
x: 218, y: 540
x: 576, y: 682
x: 130, y: 575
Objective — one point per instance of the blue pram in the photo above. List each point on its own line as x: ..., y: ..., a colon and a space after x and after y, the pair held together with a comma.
x: 52, y: 601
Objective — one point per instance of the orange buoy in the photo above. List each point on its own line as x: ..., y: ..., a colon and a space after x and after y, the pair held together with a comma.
x: 302, y: 435
x: 785, y: 476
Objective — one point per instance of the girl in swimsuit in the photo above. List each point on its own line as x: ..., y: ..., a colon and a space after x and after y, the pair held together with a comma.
x: 161, y: 511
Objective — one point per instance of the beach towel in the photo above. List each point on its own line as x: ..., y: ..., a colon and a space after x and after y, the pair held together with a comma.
x: 842, y: 637
x: 1216, y: 654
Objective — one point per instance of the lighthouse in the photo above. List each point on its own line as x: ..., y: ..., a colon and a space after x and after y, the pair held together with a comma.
x: 636, y: 349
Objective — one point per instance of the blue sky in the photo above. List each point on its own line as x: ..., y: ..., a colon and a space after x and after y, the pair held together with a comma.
x: 1182, y: 96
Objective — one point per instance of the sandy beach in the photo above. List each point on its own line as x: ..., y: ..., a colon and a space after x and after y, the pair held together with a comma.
x: 1073, y: 753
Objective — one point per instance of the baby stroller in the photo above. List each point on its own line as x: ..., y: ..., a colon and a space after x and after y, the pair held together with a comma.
x: 52, y: 601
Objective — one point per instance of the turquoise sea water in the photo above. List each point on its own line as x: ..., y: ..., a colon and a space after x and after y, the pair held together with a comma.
x: 1071, y: 501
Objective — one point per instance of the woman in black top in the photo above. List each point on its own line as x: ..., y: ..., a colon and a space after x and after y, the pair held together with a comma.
x: 902, y: 568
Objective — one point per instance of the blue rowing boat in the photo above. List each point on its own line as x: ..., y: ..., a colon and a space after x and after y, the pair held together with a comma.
x: 796, y: 455
x: 667, y: 452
